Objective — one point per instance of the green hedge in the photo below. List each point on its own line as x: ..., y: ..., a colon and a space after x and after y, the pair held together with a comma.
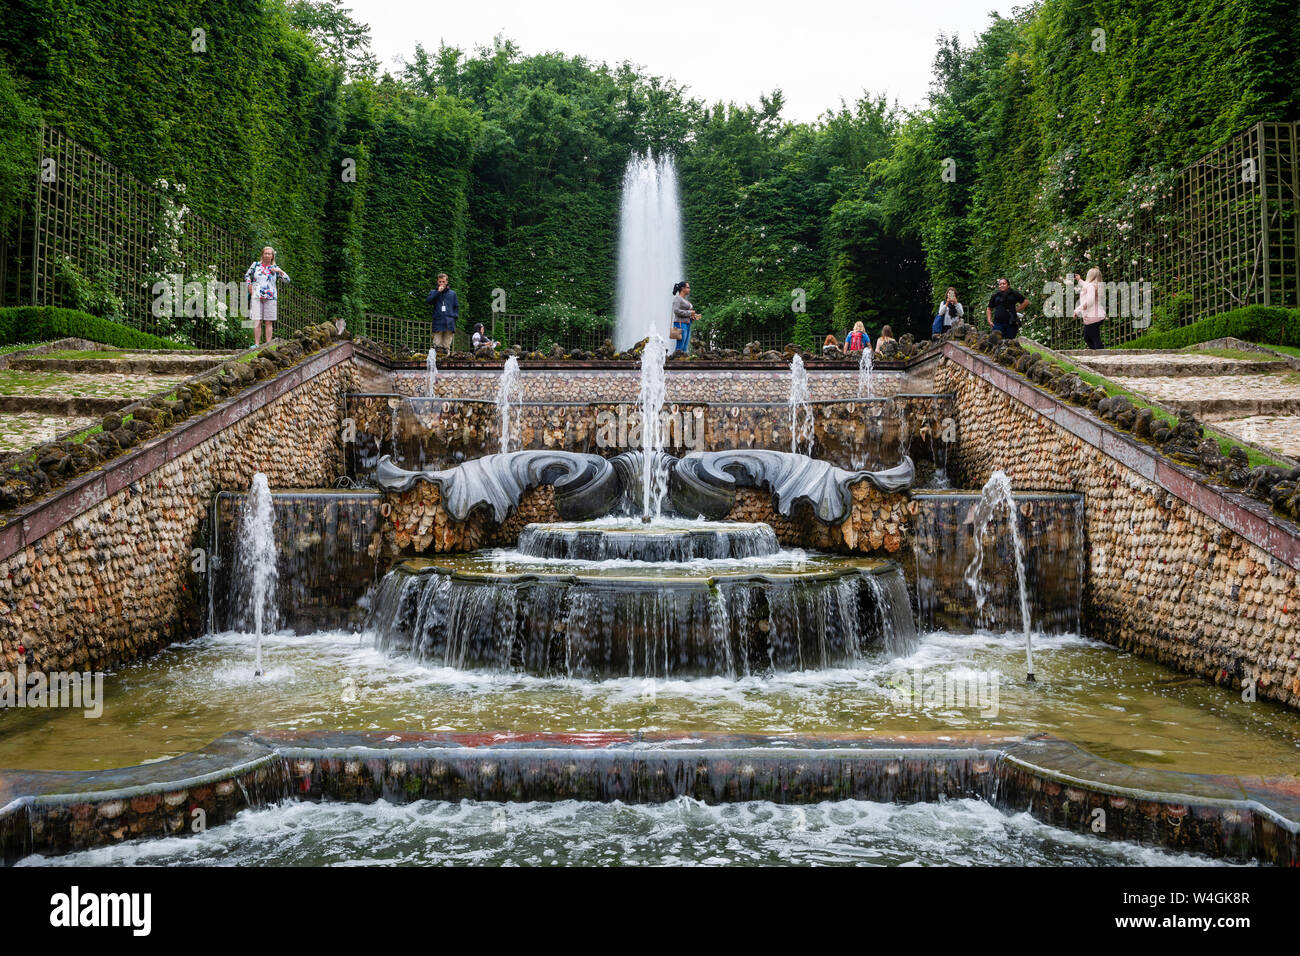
x: 26, y: 323
x: 1267, y: 325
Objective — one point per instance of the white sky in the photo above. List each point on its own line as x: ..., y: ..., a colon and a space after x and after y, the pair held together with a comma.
x: 816, y: 51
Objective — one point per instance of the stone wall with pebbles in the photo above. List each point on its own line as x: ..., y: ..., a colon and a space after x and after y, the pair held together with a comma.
x: 117, y: 580
x: 415, y: 522
x: 436, y: 434
x: 1167, y: 577
x: 623, y: 385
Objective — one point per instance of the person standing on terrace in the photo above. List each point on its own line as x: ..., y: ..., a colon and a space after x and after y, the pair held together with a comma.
x: 446, y: 310
x: 683, y: 315
x: 1090, y: 308
x: 1003, y: 308
x: 261, y: 278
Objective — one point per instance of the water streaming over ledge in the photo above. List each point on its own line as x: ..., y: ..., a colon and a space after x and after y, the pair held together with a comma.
x: 628, y: 616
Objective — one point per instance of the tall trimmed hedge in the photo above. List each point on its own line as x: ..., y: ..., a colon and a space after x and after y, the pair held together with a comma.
x: 1266, y: 325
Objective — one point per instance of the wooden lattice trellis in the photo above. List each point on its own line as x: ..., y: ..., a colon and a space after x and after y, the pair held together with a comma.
x: 91, y: 220
x: 1231, y: 224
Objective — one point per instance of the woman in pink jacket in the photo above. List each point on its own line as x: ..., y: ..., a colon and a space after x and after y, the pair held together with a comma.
x: 1090, y: 308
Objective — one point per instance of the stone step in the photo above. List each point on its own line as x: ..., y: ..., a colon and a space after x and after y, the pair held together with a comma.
x: 133, y: 365
x: 1172, y: 366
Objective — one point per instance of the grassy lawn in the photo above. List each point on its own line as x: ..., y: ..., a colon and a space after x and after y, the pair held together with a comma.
x: 22, y: 383
x: 80, y: 354
x: 1287, y: 349
x: 1092, y: 378
x: 18, y: 347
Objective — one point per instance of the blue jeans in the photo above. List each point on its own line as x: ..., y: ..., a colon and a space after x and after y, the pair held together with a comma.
x: 685, y: 340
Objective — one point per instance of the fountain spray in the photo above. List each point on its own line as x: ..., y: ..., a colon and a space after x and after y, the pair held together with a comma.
x: 801, y: 415
x: 997, y: 493
x: 509, y: 391
x: 654, y: 392
x: 257, y: 557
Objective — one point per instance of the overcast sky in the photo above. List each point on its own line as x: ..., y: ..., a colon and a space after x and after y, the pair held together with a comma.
x: 818, y: 52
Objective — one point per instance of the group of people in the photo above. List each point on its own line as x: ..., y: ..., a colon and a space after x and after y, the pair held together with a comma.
x: 1005, y: 308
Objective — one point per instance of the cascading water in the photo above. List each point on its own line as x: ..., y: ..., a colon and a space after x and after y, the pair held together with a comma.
x: 509, y: 394
x: 866, y: 388
x: 801, y: 414
x: 649, y: 248
x: 653, y: 394
x: 657, y: 609
x: 997, y: 493
x: 431, y: 372
x: 255, y: 565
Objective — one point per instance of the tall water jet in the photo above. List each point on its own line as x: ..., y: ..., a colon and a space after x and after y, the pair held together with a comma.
x: 997, y: 494
x: 801, y: 414
x: 654, y: 392
x: 509, y: 393
x: 649, y: 248
x: 256, y: 567
x: 431, y: 371
x: 865, y: 387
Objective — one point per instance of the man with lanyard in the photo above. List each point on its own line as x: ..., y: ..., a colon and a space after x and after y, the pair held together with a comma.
x: 446, y: 310
x: 1002, y: 309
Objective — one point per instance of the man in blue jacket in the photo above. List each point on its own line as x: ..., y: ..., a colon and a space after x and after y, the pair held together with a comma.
x: 446, y: 310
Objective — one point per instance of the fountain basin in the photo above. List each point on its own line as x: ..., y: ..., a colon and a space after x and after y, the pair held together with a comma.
x: 512, y: 612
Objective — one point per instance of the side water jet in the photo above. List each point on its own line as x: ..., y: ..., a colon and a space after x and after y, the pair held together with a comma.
x: 509, y: 393
x: 257, y: 558
x: 866, y: 388
x: 801, y: 414
x: 649, y: 248
x: 653, y: 394
x: 997, y: 493
x: 431, y: 371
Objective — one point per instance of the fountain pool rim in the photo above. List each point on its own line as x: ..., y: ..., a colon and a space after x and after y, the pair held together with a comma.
x: 680, y: 577
x: 1055, y: 781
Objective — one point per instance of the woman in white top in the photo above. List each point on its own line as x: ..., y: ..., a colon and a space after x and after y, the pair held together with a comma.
x: 950, y: 312
x: 261, y: 278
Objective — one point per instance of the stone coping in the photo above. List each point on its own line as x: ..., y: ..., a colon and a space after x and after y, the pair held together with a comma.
x: 1253, y: 520
x: 692, y: 402
x: 26, y: 525
x: 1051, y: 779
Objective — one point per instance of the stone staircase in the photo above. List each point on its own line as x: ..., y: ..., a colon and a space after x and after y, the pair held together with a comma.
x: 1253, y: 395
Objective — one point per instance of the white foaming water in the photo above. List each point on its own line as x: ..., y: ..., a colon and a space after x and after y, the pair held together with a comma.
x: 998, y: 493
x: 257, y: 558
x: 801, y: 414
x: 509, y: 393
x: 654, y: 392
x: 681, y: 832
x: 865, y: 387
x: 649, y: 248
x: 431, y: 371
